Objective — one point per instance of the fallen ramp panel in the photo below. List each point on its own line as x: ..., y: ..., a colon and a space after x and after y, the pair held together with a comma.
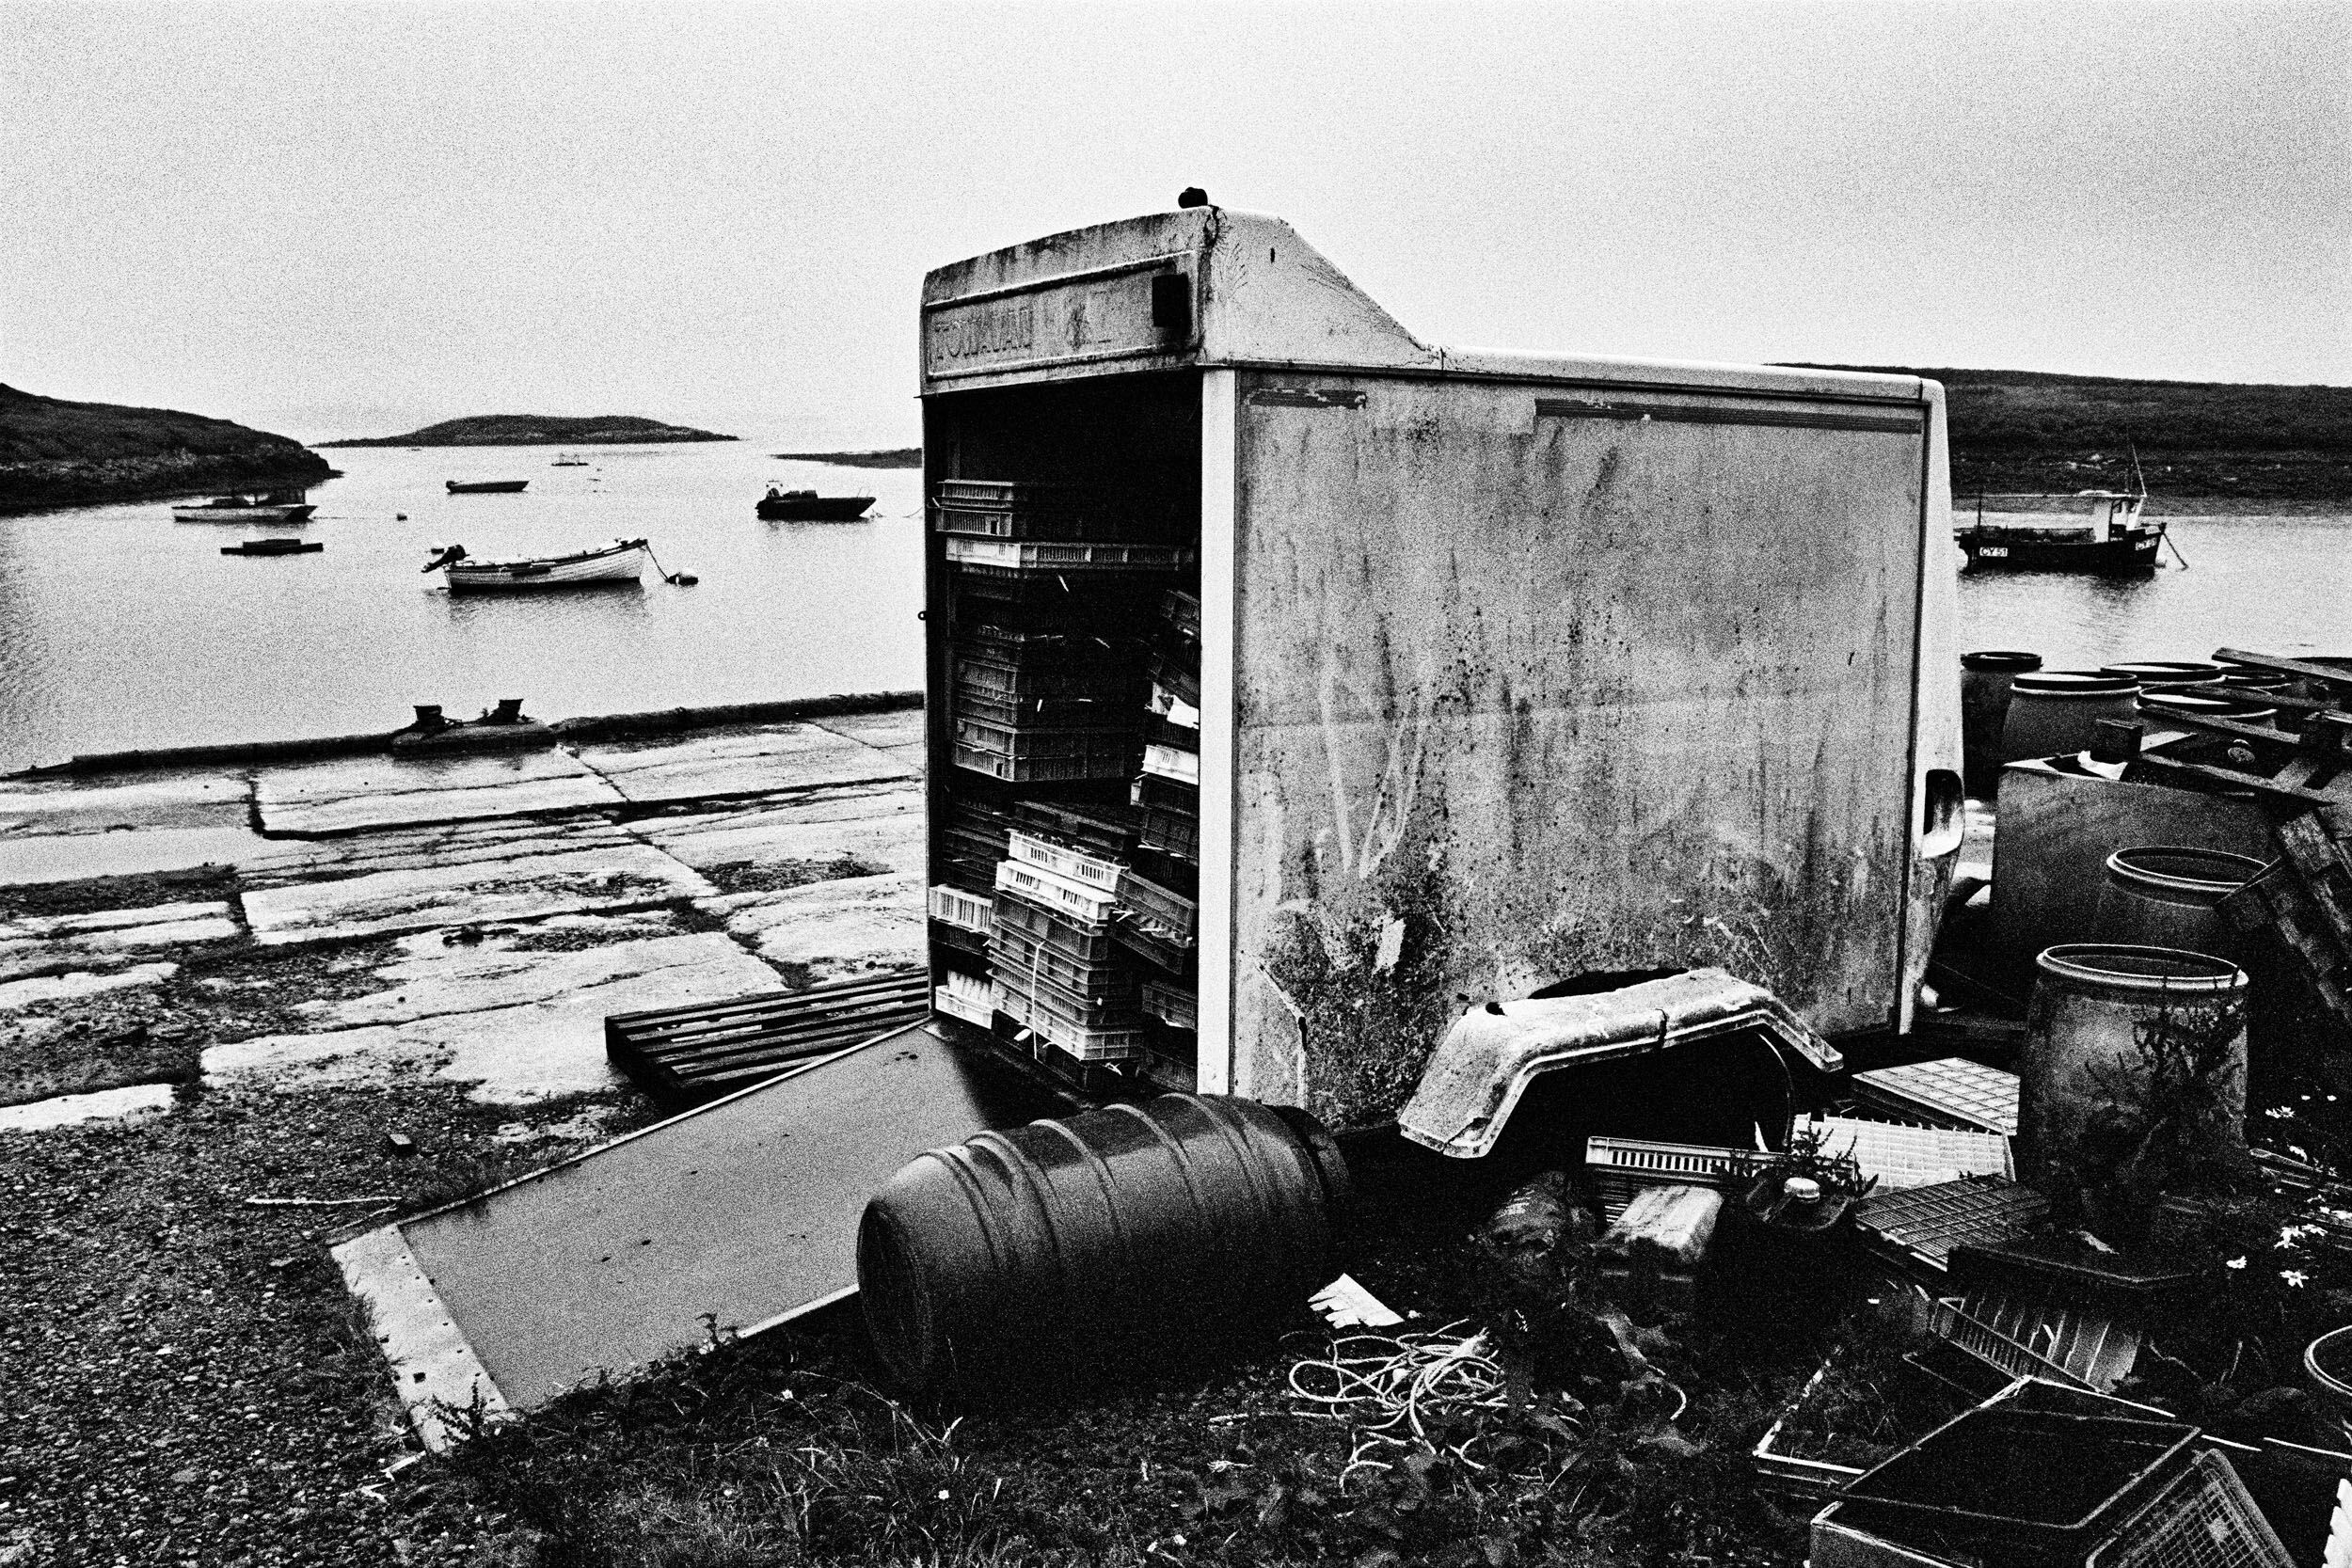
x: 739, y: 1215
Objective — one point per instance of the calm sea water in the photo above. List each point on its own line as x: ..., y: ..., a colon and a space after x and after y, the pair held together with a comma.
x: 121, y: 629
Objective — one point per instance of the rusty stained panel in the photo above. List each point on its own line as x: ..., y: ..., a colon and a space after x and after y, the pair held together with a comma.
x: 1519, y: 697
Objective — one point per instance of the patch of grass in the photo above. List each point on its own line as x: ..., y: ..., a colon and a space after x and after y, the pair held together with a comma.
x: 781, y: 876
x: 203, y: 883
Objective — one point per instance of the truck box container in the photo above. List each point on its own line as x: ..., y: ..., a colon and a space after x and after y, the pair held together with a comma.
x: 1511, y: 666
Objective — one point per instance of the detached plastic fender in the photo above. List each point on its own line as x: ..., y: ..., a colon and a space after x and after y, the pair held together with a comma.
x: 1483, y: 1065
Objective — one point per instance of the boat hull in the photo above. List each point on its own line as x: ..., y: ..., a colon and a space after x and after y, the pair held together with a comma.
x: 2127, y: 555
x: 242, y: 514
x: 485, y: 488
x: 588, y: 569
x: 265, y: 547
x: 823, y: 508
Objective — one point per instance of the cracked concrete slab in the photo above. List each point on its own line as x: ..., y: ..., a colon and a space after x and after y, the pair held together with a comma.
x: 416, y: 848
x: 429, y: 979
x: 74, y: 1110
x: 419, y: 898
x: 540, y: 1049
x: 62, y: 988
x: 199, y: 798
x: 837, y: 929
x: 757, y: 762
x: 72, y: 857
x: 355, y: 794
x: 50, y: 943
x: 900, y: 732
x: 884, y: 828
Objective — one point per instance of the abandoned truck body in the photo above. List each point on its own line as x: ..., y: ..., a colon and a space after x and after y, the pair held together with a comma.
x: 1511, y: 666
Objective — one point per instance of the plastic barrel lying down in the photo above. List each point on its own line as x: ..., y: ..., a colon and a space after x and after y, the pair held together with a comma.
x: 1017, y: 1259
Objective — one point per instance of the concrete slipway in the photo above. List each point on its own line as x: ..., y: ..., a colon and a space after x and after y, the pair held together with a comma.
x: 475, y: 916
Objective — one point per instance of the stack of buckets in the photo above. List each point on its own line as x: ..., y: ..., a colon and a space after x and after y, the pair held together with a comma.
x: 2158, y: 952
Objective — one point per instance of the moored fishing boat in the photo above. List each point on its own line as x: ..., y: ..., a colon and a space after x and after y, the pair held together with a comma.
x: 2099, y: 532
x: 274, y: 547
x: 484, y: 486
x: 249, y: 506
x: 565, y: 460
x: 807, y: 506
x: 618, y: 562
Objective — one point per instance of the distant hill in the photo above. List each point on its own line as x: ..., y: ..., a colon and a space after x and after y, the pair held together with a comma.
x: 59, y: 454
x: 895, y: 457
x: 537, y: 430
x: 2028, y: 429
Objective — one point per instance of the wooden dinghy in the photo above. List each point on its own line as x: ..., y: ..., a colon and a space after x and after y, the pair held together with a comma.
x: 618, y: 562
x: 484, y: 486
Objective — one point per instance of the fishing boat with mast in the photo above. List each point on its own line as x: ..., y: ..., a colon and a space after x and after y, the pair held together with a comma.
x: 283, y: 505
x: 2099, y: 532
x: 807, y: 506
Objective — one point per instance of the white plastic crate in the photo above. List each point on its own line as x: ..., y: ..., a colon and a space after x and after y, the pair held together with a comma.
x: 1952, y: 1090
x: 1169, y: 763
x: 1087, y: 1045
x: 968, y: 911
x: 1045, y: 555
x: 1164, y: 908
x: 965, y: 997
x: 1076, y: 864
x: 1902, y: 1156
x: 1055, y: 892
x: 1622, y: 1167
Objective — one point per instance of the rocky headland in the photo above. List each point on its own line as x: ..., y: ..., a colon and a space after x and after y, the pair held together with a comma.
x: 537, y: 430
x: 2220, y: 444
x: 893, y: 457
x: 57, y: 453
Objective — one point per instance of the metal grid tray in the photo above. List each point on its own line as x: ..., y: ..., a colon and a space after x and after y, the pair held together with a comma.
x: 1918, y: 1227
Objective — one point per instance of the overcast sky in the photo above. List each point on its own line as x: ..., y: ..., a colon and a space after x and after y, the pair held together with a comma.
x: 333, y: 219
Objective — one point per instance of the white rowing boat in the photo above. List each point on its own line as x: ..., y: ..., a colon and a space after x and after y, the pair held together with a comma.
x: 618, y: 562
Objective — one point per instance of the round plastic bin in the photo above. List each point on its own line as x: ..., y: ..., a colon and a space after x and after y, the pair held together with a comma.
x: 2169, y: 675
x: 2056, y: 712
x: 1984, y: 678
x: 2160, y: 895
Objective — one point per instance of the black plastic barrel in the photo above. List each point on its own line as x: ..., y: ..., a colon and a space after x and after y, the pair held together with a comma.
x: 1984, y: 678
x: 1020, y: 1259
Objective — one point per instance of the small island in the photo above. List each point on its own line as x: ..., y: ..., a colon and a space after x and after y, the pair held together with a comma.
x: 893, y: 457
x: 537, y: 430
x: 56, y: 454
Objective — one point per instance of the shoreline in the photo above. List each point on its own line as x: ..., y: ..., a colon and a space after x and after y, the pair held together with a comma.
x: 607, y: 726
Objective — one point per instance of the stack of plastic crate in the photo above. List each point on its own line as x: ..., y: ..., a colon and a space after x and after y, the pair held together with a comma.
x: 1042, y: 706
x: 1055, y: 971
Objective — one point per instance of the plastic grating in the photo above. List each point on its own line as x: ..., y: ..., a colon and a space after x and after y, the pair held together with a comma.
x: 1902, y: 1156
x: 1163, y: 907
x: 1015, y: 494
x: 1086, y: 941
x: 1174, y: 1005
x: 1087, y: 1045
x: 1950, y: 1092
x: 1155, y: 793
x: 1065, y: 769
x: 967, y: 998
x: 1619, y: 1167
x: 2027, y: 1337
x: 1018, y: 957
x: 1921, y: 1225
x: 2203, y: 1519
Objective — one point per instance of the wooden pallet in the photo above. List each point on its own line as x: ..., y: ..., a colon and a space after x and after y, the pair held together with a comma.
x: 2277, y: 903
x: 2311, y: 766
x: 687, y: 1055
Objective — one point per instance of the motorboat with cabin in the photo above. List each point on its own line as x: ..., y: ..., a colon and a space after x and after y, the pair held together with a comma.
x: 807, y: 506
x: 2099, y: 532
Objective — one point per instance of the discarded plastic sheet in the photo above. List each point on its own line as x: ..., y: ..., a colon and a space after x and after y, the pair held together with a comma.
x: 727, y: 1220
x: 1902, y: 1157
x: 1950, y: 1092
x: 1479, y: 1072
x: 1345, y: 1303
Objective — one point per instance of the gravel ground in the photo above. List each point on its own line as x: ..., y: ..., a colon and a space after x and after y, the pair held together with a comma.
x: 183, y: 1377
